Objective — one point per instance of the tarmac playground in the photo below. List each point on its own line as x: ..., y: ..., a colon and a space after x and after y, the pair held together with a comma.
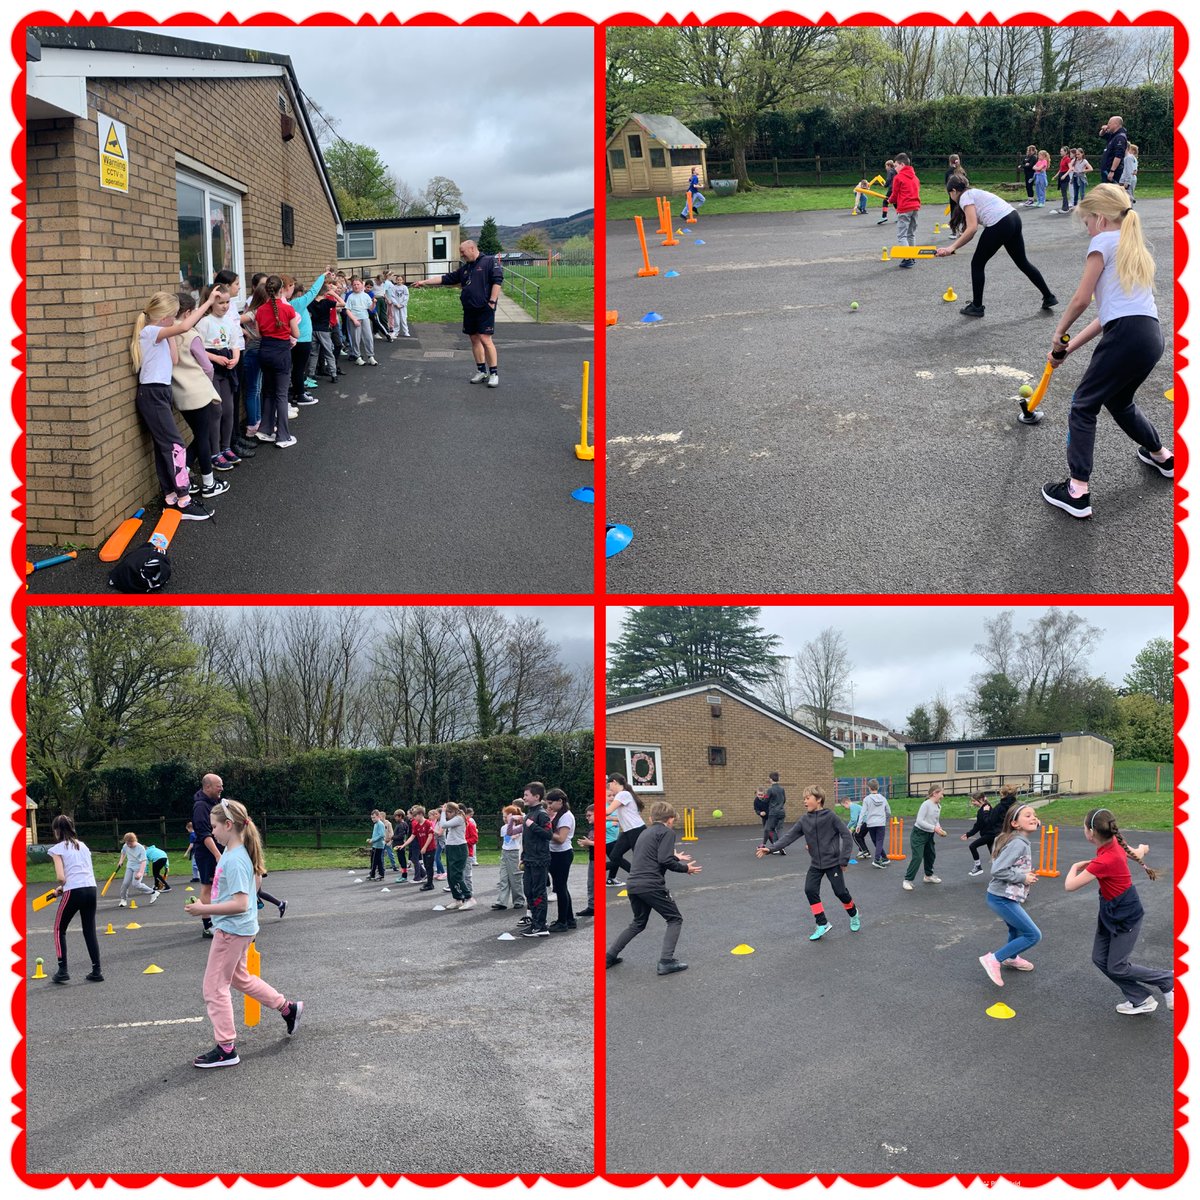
x: 873, y: 1052
x: 765, y: 438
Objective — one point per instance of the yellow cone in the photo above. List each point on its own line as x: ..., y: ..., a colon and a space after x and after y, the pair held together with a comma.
x: 742, y: 949
x: 883, y: 257
x: 110, y: 929
x: 38, y: 973
x: 937, y: 229
x: 1169, y: 394
x: 133, y: 925
x: 133, y: 904
x: 949, y: 297
x: 622, y: 892
x: 1001, y: 1012
x: 189, y: 888
x: 152, y: 970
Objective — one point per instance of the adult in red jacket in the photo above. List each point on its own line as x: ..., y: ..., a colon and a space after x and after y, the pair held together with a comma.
x: 906, y: 196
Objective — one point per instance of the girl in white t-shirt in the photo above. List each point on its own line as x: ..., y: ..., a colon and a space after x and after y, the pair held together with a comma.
x: 624, y: 804
x: 562, y: 854
x: 972, y: 209
x: 77, y: 887
x: 1119, y: 272
x: 154, y: 354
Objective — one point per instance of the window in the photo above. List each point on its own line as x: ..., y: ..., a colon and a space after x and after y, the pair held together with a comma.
x: 356, y: 243
x: 978, y: 759
x: 635, y: 145
x: 716, y: 756
x: 287, y: 216
x: 617, y: 159
x: 927, y: 762
x: 209, y: 221
x: 641, y: 766
x: 685, y: 158
x: 438, y: 252
x: 658, y: 158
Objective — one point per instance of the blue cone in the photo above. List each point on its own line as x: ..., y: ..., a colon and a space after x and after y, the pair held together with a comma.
x: 671, y: 275
x: 586, y: 494
x: 698, y: 242
x: 616, y: 538
x: 650, y: 318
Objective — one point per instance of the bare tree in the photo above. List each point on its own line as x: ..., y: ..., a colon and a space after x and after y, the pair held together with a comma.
x: 822, y: 668
x: 910, y: 66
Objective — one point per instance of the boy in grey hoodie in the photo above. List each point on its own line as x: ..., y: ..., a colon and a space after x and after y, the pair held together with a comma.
x: 874, y: 819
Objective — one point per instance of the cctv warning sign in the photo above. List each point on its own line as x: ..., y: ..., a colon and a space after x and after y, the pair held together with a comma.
x: 114, y: 158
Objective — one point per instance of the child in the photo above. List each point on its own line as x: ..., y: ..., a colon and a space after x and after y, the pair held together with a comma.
x: 389, y: 834
x: 191, y: 852
x: 381, y: 294
x: 303, y: 348
x: 972, y: 209
x: 427, y: 841
x: 1129, y: 171
x: 855, y: 807
x: 324, y: 322
x: 1012, y: 877
x: 452, y: 825
x: 624, y: 804
x: 472, y: 843
x: 953, y: 167
x: 160, y: 864
x: 133, y: 854
x: 398, y: 306
x: 400, y: 839
x: 1079, y: 180
x: 236, y: 921
x: 1119, y: 272
x: 906, y: 196
x: 1040, y: 169
x: 416, y: 834
x: 588, y: 839
x: 562, y: 855
x: 982, y: 831
x: 154, y: 354
x: 265, y: 897
x: 77, y: 887
x: 278, y: 324
x: 874, y: 819
x: 198, y: 401
x: 359, y: 307
x: 653, y: 856
x: 439, y: 848
x: 927, y: 824
x: 223, y: 341
x: 1063, y: 179
x: 1121, y: 913
x: 761, y: 808
x: 860, y: 198
x: 510, y: 889
x: 889, y: 169
x: 1026, y: 166
x: 828, y: 841
x: 377, y: 840
x: 536, y: 856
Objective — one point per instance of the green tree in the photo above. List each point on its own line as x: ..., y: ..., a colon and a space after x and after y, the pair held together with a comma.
x: 1145, y: 729
x: 920, y: 725
x: 665, y: 646
x: 579, y: 249
x: 1153, y: 671
x: 362, y: 184
x: 638, y: 75
x: 997, y: 705
x: 114, y: 686
x: 488, y: 240
x: 536, y: 241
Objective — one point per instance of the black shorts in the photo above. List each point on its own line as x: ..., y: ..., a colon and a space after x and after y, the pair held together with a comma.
x: 479, y: 320
x: 206, y: 865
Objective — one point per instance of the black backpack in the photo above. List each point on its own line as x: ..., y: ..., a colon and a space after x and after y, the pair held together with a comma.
x: 143, y: 569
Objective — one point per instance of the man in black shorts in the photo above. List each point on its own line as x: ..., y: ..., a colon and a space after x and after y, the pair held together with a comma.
x: 1114, y: 149
x: 480, y: 278
x: 207, y: 851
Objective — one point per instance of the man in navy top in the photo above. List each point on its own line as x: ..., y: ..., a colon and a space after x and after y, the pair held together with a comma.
x: 1114, y: 150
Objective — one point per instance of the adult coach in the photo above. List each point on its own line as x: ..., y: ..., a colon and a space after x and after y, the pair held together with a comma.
x: 480, y: 278
x: 1114, y: 149
x: 776, y: 811
x: 208, y: 853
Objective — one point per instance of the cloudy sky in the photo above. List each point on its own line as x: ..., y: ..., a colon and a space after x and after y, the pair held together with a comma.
x: 506, y: 113
x: 903, y: 656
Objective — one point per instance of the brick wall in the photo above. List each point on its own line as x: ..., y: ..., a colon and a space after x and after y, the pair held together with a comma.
x: 754, y: 745
x: 95, y: 257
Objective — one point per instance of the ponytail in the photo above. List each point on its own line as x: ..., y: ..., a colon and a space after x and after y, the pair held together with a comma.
x: 1104, y: 825
x: 235, y: 811
x: 64, y: 830
x: 273, y: 286
x: 162, y: 304
x: 1135, y: 264
x: 958, y: 219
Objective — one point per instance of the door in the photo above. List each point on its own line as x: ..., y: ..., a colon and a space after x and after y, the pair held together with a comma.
x: 639, y: 172
x: 1043, y: 775
x: 439, y: 254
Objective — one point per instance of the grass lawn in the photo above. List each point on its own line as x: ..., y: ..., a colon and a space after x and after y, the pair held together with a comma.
x: 1135, y: 810
x: 434, y: 306
x: 563, y: 298
x: 809, y: 199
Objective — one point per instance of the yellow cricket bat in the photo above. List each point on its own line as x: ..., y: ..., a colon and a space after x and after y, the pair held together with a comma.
x: 45, y: 899
x: 1031, y: 404
x: 914, y: 252
x: 868, y: 192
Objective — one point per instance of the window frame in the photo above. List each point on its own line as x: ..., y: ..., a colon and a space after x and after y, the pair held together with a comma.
x: 614, y: 153
x: 629, y: 750
x: 343, y: 244
x: 212, y: 190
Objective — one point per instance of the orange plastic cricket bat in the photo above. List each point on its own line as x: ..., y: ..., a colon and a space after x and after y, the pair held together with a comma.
x: 43, y: 900
x: 167, y: 524
x: 121, y: 537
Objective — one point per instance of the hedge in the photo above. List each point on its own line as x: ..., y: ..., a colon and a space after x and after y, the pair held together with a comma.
x: 969, y: 125
x: 485, y: 774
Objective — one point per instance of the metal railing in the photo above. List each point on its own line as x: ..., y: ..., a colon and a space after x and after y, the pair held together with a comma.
x: 524, y: 291
x: 1039, y: 784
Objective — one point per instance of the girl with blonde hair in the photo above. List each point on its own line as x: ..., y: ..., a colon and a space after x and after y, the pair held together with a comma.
x: 1119, y: 272
x: 154, y: 353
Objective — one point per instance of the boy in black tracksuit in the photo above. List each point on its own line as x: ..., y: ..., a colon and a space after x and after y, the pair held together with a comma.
x: 653, y: 856
x: 776, y: 811
x: 829, y: 845
x: 535, y: 853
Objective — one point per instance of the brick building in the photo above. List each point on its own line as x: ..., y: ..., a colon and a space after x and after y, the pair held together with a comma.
x: 220, y: 168
x: 710, y: 746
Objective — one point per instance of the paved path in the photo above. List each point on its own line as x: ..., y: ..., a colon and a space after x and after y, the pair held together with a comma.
x: 426, y: 1045
x: 765, y: 438
x: 405, y: 479
x: 872, y: 1052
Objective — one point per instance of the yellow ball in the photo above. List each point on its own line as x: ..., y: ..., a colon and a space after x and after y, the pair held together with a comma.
x: 854, y: 306
x: 39, y: 962
x: 1025, y: 391
x: 718, y: 813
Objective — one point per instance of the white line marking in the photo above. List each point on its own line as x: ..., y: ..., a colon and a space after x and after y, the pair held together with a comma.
x: 141, y: 1024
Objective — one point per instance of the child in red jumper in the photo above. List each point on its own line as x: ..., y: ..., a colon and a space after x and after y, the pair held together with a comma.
x: 906, y: 196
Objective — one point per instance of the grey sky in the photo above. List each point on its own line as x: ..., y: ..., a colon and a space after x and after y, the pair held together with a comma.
x: 902, y: 656
x: 506, y: 113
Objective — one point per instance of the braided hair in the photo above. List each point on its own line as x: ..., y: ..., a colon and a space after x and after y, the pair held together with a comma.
x: 1104, y: 825
x: 272, y: 286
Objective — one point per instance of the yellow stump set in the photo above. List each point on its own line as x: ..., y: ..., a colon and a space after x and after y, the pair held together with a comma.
x: 689, y: 825
x: 251, y: 1009
x: 1048, y: 852
x: 583, y: 450
x: 896, y: 840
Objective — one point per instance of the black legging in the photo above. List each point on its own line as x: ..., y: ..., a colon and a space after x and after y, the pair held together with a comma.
x: 616, y: 852
x: 300, y: 353
x: 1064, y: 186
x: 980, y: 841
x: 560, y: 868
x: 812, y: 889
x: 201, y: 422
x: 81, y: 901
x: 1006, y: 234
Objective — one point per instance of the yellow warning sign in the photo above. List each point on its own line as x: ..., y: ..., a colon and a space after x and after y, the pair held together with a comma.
x: 114, y: 158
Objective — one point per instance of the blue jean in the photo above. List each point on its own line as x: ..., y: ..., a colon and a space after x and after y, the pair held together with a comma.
x: 252, y: 388
x: 1039, y: 186
x: 438, y: 865
x: 1078, y: 188
x: 1022, y: 932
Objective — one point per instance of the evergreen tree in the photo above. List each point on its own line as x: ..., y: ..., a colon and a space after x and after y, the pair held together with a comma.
x: 665, y: 646
x: 1153, y: 671
x: 920, y: 725
x: 488, y: 240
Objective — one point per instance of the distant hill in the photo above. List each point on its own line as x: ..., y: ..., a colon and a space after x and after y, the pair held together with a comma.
x: 559, y: 228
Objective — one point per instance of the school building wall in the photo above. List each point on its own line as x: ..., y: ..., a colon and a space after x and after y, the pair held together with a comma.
x: 754, y: 745
x: 94, y: 258
x: 396, y: 247
x: 1082, y: 764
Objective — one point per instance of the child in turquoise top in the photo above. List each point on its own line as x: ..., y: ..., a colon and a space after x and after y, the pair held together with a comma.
x: 235, y: 921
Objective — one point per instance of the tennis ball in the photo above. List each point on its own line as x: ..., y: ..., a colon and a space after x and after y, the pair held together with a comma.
x: 191, y: 900
x: 854, y: 306
x: 718, y: 813
x: 39, y: 962
x: 1025, y: 391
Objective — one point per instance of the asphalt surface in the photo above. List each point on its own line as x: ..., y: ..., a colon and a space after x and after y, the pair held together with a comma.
x: 873, y: 1052
x: 425, y: 1046
x: 404, y: 479
x: 764, y: 438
